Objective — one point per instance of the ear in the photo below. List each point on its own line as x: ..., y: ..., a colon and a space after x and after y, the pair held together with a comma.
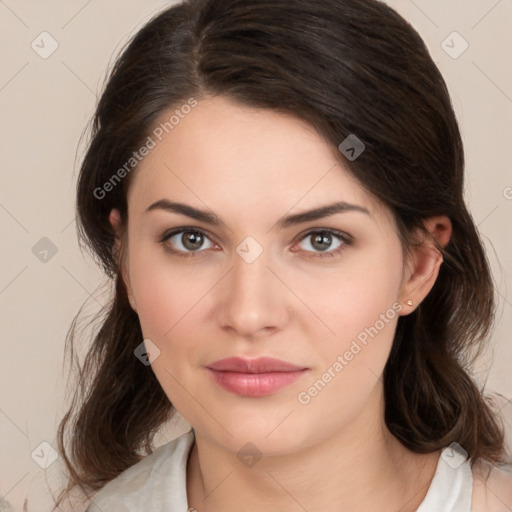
x: 122, y: 260
x: 423, y: 267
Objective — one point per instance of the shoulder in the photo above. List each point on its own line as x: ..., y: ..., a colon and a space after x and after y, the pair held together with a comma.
x: 492, y: 487
x: 163, y: 471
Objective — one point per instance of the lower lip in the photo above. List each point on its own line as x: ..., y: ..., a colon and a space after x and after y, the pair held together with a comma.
x: 255, y: 384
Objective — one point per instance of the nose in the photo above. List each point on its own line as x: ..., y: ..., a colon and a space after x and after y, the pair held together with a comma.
x: 253, y: 300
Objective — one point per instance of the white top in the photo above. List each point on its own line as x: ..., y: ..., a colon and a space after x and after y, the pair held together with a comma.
x: 158, y: 484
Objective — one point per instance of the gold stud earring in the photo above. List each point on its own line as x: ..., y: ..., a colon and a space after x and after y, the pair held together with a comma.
x: 409, y: 302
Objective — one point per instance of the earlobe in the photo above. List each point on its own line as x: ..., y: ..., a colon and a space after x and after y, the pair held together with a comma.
x: 425, y: 264
x: 122, y: 261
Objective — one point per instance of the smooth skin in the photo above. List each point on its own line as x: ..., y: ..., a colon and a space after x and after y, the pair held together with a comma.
x: 299, y: 301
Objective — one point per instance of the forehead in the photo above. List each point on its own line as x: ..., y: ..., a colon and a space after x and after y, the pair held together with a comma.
x: 228, y: 155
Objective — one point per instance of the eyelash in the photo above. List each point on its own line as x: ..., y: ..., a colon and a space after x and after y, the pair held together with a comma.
x: 344, y: 238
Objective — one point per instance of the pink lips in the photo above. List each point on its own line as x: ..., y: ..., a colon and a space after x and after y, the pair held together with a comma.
x: 254, y: 377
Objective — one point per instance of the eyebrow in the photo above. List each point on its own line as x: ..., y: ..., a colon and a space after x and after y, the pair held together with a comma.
x: 284, y: 222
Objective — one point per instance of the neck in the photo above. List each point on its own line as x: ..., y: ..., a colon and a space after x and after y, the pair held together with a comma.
x: 362, y: 467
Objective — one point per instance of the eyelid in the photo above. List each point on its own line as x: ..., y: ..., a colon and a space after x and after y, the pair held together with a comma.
x: 309, y: 231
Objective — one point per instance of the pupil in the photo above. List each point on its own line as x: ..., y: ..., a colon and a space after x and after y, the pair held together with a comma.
x: 320, y: 238
x: 192, y: 240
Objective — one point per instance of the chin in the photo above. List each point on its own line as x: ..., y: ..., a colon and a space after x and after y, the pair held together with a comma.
x: 271, y: 433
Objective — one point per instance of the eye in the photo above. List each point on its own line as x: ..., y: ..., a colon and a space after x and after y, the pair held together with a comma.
x: 325, y: 242
x: 186, y: 241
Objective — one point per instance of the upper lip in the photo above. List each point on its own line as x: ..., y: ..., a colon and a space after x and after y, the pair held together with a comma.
x: 258, y: 365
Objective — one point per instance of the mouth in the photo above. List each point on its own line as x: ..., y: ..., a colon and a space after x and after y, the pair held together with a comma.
x: 254, y: 377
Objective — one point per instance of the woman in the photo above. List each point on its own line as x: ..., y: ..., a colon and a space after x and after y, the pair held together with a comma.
x: 276, y: 188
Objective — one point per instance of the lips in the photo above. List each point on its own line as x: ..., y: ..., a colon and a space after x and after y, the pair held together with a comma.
x: 259, y: 365
x: 254, y: 377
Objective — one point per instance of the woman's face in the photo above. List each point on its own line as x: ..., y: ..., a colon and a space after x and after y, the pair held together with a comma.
x: 322, y: 294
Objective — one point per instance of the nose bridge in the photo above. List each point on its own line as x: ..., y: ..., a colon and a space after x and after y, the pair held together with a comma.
x: 253, y: 299
x: 249, y: 278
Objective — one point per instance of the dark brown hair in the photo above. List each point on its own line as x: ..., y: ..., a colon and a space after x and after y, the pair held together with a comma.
x: 346, y: 67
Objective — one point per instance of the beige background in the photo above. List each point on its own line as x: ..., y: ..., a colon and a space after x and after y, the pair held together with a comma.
x: 46, y: 104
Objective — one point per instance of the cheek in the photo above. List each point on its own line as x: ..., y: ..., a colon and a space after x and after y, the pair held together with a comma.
x: 172, y: 301
x: 362, y: 311
x: 166, y: 295
x: 359, y: 305
x: 352, y: 299
x: 169, y: 301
